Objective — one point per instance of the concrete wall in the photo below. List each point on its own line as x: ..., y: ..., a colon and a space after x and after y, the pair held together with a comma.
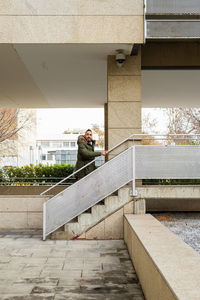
x: 167, y: 267
x: 112, y: 227
x: 29, y: 190
x: 170, y: 198
x: 166, y: 54
x: 71, y: 21
x: 21, y: 212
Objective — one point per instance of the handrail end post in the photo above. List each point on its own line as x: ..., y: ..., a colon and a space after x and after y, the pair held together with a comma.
x: 44, y: 221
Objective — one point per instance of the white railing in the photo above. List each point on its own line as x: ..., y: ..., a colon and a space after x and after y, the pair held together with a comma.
x: 133, y: 137
x: 88, y: 191
x: 137, y: 162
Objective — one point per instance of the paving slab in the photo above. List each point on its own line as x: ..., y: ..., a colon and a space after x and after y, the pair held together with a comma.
x: 84, y: 269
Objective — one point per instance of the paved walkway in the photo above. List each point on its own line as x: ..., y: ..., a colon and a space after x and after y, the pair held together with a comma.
x: 33, y: 269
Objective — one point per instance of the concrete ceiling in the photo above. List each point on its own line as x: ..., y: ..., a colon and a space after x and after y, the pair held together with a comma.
x: 71, y: 75
x: 50, y: 76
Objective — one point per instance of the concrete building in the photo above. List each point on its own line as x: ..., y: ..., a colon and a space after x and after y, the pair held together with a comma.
x: 121, y: 55
x: 61, y: 148
x: 63, y: 55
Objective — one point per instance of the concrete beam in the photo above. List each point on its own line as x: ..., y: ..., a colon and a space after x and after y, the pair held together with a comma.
x: 166, y: 54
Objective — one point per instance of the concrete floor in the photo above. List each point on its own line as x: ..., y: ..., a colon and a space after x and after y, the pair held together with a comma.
x: 33, y: 269
x: 185, y: 224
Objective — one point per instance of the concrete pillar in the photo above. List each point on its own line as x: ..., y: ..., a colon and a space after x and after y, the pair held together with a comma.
x: 124, y: 101
x: 139, y: 206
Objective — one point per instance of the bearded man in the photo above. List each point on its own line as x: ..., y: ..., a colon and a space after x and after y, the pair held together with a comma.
x: 86, y: 154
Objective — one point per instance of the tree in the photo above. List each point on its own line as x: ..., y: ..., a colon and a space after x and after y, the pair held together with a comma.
x: 183, y: 121
x: 149, y: 125
x: 15, y: 131
x: 100, y: 133
x: 10, y: 125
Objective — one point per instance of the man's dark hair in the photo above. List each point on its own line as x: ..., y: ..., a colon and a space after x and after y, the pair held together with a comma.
x: 88, y: 130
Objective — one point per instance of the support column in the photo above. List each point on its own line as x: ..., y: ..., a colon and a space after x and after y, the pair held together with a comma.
x: 124, y: 101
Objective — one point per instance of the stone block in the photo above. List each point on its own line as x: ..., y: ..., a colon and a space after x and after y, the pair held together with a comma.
x: 71, y: 7
x: 124, y: 88
x: 111, y: 203
x: 59, y: 235
x: 73, y: 229
x: 35, y: 220
x: 139, y: 206
x: 124, y: 194
x: 85, y: 219
x: 13, y: 204
x: 124, y: 115
x: 114, y: 225
x: 35, y: 204
x: 116, y: 135
x: 128, y: 208
x: 14, y: 220
x: 72, y: 29
x: 96, y: 232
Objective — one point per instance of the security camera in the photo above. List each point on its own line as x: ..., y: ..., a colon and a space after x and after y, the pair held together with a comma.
x: 120, y: 58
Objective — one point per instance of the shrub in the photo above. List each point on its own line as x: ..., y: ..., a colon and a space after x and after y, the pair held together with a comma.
x: 37, y: 173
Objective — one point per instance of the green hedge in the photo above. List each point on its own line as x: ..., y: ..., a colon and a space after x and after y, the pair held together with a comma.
x: 37, y: 173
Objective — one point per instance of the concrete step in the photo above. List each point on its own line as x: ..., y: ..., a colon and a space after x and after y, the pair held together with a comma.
x: 99, y: 212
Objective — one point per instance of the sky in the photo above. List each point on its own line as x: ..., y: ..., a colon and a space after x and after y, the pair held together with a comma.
x: 56, y: 121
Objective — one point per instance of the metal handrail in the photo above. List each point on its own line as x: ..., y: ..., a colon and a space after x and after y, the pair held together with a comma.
x: 119, y: 144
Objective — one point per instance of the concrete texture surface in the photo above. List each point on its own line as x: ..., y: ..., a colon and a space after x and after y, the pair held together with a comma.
x: 186, y: 225
x: 33, y: 269
x: 168, y: 269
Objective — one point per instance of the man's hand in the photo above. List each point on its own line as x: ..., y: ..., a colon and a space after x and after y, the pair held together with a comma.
x: 104, y: 153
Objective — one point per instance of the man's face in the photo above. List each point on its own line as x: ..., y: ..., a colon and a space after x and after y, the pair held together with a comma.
x: 88, y: 136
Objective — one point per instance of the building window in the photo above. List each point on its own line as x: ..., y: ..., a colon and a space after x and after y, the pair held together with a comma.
x: 73, y: 144
x: 49, y: 156
x: 43, y: 157
x: 57, y: 144
x: 45, y: 144
x: 65, y: 144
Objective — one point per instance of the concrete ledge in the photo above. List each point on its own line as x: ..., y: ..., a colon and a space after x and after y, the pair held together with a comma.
x: 167, y: 267
x: 170, y: 198
x: 71, y: 29
x: 21, y: 212
x: 30, y: 190
x: 71, y: 7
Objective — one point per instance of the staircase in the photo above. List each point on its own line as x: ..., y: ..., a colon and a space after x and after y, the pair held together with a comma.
x: 88, y: 193
x: 98, y: 212
x: 90, y: 200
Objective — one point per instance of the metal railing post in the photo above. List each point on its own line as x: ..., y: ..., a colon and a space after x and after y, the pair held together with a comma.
x: 134, y: 192
x: 44, y: 221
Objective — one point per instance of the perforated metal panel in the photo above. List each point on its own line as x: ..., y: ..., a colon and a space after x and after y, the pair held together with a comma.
x: 173, y: 29
x: 167, y: 162
x: 88, y: 191
x: 176, y: 29
x: 173, y: 7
